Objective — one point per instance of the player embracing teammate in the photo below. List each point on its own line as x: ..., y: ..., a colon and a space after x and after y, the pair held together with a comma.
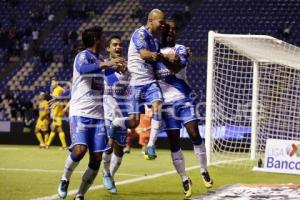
x: 157, y: 75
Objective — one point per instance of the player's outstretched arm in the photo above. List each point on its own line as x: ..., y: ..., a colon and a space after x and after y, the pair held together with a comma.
x: 119, y: 64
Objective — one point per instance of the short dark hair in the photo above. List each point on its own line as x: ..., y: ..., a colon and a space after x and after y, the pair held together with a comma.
x: 111, y: 38
x: 90, y: 35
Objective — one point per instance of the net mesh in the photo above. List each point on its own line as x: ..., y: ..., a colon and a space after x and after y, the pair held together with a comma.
x: 278, y: 110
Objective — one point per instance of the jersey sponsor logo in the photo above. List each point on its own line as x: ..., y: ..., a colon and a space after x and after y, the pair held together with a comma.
x: 97, y: 84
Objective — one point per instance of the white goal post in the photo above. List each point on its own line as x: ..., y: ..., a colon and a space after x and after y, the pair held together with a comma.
x: 252, y: 94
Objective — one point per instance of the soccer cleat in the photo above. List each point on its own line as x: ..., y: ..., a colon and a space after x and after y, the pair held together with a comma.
x: 113, y: 189
x: 63, y: 189
x: 187, y: 188
x: 150, y: 153
x: 42, y: 146
x: 107, y: 181
x: 208, y: 182
x: 77, y: 197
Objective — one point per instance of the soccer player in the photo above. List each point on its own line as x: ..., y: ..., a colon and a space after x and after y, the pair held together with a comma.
x: 43, y: 121
x: 115, y: 105
x: 86, y: 113
x: 57, y: 114
x: 143, y: 53
x: 179, y: 108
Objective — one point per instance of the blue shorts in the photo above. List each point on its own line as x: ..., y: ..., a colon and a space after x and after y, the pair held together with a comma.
x: 144, y: 94
x: 90, y: 132
x: 178, y: 114
x: 119, y: 135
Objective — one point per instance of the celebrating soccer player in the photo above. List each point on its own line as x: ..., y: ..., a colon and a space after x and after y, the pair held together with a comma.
x: 179, y: 107
x: 143, y: 54
x: 115, y: 105
x: 87, y: 125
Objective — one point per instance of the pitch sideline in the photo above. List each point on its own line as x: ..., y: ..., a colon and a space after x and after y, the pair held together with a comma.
x: 128, y: 181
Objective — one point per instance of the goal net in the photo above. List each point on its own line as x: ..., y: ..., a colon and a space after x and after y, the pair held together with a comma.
x: 253, y: 94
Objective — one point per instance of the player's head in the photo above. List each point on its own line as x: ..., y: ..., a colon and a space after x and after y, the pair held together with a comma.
x: 42, y: 96
x: 114, y: 46
x: 93, y: 38
x: 169, y: 33
x: 54, y: 83
x: 156, y: 21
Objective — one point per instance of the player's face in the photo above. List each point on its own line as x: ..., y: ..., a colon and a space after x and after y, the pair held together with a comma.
x: 42, y: 96
x: 158, y: 24
x: 54, y: 83
x: 115, y: 48
x: 171, y: 34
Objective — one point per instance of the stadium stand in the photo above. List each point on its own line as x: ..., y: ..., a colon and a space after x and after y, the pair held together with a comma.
x: 32, y: 74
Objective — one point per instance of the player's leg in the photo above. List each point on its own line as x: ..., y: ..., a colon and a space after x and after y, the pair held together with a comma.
x: 62, y: 137
x: 154, y: 96
x: 90, y: 174
x: 116, y: 160
x: 187, y: 113
x: 119, y: 142
x: 143, y: 140
x: 178, y: 161
x: 97, y: 144
x: 78, y: 149
x: 52, y: 134
x: 172, y: 127
x: 45, y: 130
x: 72, y: 161
x: 106, y: 157
x: 130, y: 135
x: 106, y: 176
x: 38, y: 134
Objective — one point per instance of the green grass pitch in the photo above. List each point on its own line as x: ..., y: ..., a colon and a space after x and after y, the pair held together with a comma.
x: 27, y: 172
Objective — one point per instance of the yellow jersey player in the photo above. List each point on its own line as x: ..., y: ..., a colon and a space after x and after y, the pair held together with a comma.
x: 57, y: 114
x: 43, y: 120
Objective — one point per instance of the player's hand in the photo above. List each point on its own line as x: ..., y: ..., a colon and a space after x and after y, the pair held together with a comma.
x: 116, y: 61
x: 157, y: 56
x: 121, y: 67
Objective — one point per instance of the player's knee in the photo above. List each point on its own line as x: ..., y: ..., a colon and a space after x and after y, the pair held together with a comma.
x: 109, y: 151
x: 79, y: 151
x: 118, y: 150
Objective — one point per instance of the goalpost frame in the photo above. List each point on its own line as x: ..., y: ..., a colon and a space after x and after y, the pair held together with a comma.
x: 209, y: 88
